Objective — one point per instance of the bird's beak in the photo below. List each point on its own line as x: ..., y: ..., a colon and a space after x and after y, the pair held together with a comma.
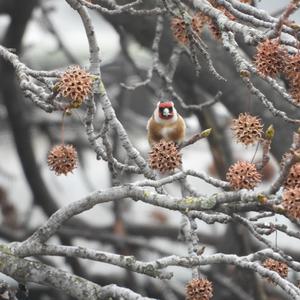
x: 166, y: 112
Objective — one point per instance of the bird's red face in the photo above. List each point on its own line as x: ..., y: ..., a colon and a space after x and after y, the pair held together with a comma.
x: 166, y: 110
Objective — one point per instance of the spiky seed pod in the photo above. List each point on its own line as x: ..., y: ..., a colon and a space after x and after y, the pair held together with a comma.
x: 199, y: 289
x: 247, y: 129
x: 213, y: 26
x: 213, y: 2
x: 62, y: 159
x: 292, y: 73
x: 292, y: 66
x: 179, y: 29
x: 215, y: 30
x: 164, y: 156
x: 291, y: 202
x: 294, y: 89
x: 270, y: 58
x: 243, y: 175
x: 276, y: 266
x: 75, y: 84
x: 293, y: 179
x: 198, y: 22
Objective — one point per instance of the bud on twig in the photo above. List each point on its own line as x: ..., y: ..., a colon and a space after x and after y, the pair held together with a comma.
x: 244, y: 73
x: 206, y: 132
x: 262, y: 199
x: 270, y: 132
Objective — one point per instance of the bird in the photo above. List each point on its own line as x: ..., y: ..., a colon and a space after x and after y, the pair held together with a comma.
x: 166, y: 123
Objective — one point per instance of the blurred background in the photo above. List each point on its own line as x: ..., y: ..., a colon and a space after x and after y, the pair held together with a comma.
x: 30, y: 192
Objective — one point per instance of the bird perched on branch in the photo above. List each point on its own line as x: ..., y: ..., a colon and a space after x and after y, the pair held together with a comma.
x: 166, y: 123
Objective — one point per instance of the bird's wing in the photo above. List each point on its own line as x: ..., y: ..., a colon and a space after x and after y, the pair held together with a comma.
x: 148, y: 123
x: 183, y: 122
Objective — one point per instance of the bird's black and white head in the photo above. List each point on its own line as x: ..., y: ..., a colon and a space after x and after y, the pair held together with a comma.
x: 165, y: 111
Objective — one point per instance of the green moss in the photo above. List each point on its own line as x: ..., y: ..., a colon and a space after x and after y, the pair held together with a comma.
x: 146, y: 194
x: 197, y: 202
x: 5, y: 249
x: 190, y: 200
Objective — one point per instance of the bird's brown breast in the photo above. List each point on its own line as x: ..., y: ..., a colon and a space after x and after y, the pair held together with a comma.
x: 173, y: 131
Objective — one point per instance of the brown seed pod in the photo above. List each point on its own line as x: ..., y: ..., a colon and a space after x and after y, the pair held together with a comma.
x: 292, y: 66
x: 213, y: 26
x: 270, y: 58
x: 291, y: 202
x: 199, y: 289
x: 198, y: 22
x: 292, y: 73
x: 293, y: 179
x: 215, y: 30
x: 62, y: 159
x: 243, y: 175
x: 213, y: 2
x: 75, y: 85
x: 179, y: 27
x: 276, y: 266
x: 294, y: 89
x: 247, y: 129
x: 164, y: 157
x: 179, y: 30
